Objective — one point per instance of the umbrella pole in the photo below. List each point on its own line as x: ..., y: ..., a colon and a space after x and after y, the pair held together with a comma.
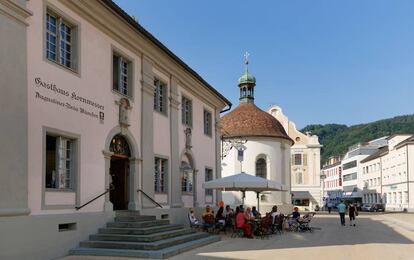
x: 257, y: 195
x: 243, y: 196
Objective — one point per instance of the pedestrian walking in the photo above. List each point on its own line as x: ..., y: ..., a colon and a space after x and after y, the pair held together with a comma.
x: 329, y: 207
x: 341, y: 209
x: 352, y: 212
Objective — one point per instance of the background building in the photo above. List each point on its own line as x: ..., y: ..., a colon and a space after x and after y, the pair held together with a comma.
x: 305, y: 163
x: 397, y: 174
x: 94, y: 103
x: 332, y: 190
x: 267, y: 149
x: 379, y: 171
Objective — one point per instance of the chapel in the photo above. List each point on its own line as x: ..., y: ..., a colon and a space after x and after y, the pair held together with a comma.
x: 265, y: 145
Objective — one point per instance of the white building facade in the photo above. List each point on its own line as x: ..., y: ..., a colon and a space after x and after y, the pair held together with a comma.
x: 305, y: 163
x: 332, y: 181
x: 397, y: 174
x: 95, y: 105
x: 371, y: 177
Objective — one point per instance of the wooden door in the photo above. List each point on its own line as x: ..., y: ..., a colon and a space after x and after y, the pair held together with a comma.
x: 120, y: 172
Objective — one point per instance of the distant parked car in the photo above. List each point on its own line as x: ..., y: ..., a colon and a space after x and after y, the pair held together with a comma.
x: 366, y: 207
x: 377, y: 208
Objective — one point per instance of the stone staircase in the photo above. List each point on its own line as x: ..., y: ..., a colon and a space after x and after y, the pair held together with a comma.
x: 135, y: 235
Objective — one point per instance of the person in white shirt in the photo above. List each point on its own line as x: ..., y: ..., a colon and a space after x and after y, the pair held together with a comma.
x: 274, y: 213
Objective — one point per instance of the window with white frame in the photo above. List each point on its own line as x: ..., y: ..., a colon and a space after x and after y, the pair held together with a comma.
x: 187, y: 111
x: 160, y: 96
x: 261, y: 168
x: 59, y: 162
x: 60, y: 40
x: 121, y: 74
x: 207, y: 123
x: 160, y: 175
x: 209, y: 177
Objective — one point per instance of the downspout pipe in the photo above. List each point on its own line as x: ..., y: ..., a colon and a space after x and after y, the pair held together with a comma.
x: 227, y: 109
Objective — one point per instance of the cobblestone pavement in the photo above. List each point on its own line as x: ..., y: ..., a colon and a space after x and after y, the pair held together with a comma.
x: 376, y: 236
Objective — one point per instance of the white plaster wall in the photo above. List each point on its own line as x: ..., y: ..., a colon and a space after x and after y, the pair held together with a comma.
x: 368, y: 177
x: 396, y: 173
x: 256, y: 147
x: 162, y: 131
x: 203, y: 146
x: 93, y: 82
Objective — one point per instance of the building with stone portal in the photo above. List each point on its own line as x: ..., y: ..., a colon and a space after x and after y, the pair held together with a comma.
x: 97, y: 116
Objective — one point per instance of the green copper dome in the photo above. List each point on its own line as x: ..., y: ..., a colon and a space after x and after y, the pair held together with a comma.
x: 247, y: 78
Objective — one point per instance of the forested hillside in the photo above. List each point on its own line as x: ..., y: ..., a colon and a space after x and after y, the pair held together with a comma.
x: 337, y: 138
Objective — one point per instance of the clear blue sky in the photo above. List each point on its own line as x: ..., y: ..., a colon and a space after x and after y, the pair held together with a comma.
x: 322, y: 61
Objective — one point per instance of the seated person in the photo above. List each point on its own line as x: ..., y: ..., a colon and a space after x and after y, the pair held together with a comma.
x: 208, y: 217
x: 255, y: 213
x: 229, y: 212
x: 274, y: 213
x: 241, y: 223
x: 220, y: 218
x: 294, y: 216
x: 193, y: 220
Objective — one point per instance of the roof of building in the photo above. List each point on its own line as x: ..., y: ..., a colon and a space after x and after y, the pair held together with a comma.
x: 247, y: 78
x: 409, y: 140
x: 328, y: 166
x: 160, y: 45
x: 247, y: 120
x: 381, y: 151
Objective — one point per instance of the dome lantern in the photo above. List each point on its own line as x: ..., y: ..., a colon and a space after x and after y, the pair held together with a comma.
x: 247, y: 82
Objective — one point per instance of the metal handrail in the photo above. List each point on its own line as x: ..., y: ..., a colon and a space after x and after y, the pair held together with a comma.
x: 97, y: 197
x: 151, y: 199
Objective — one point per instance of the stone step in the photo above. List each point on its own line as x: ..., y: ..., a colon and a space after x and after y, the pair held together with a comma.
x: 157, y: 245
x: 140, y: 224
x: 141, y: 238
x: 140, y: 231
x: 157, y: 254
x: 134, y: 218
x: 127, y: 213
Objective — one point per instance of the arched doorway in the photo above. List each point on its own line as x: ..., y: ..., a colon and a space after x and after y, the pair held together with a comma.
x: 119, y: 171
x: 188, y: 180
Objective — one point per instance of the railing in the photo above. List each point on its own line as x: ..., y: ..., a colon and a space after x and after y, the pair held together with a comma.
x: 97, y: 197
x: 151, y: 199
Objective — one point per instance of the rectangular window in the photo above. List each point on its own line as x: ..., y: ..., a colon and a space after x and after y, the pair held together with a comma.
x: 59, y: 162
x: 350, y: 177
x: 187, y: 111
x: 209, y: 177
x: 350, y: 165
x: 187, y: 181
x: 60, y: 40
x: 207, y: 123
x: 160, y: 96
x: 160, y: 174
x: 121, y: 75
x: 297, y: 159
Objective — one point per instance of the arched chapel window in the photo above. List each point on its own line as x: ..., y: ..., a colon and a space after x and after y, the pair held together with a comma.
x: 261, y: 169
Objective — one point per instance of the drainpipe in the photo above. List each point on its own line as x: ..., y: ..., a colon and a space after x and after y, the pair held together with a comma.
x: 227, y: 109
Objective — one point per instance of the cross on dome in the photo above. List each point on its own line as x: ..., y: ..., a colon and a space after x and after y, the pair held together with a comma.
x: 247, y: 82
